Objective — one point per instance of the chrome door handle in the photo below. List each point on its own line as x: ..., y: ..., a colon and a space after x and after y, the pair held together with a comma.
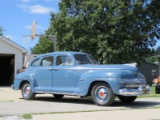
x: 50, y: 69
x: 55, y: 69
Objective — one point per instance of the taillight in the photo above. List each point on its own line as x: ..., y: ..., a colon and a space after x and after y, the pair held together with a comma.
x: 157, y: 80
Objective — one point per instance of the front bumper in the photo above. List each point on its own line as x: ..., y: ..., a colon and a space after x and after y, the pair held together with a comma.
x: 135, y: 92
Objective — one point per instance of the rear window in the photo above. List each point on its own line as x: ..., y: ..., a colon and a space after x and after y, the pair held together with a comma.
x: 84, y: 59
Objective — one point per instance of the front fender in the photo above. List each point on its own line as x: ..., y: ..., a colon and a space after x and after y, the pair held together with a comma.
x: 112, y: 77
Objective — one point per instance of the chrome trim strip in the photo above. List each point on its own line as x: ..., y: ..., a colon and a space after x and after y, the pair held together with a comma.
x: 46, y: 92
x: 81, y: 68
x: 103, y: 79
x: 134, y: 86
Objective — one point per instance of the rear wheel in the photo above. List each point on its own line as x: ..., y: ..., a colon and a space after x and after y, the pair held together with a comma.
x: 102, y: 94
x: 57, y: 96
x: 127, y: 99
x: 27, y: 92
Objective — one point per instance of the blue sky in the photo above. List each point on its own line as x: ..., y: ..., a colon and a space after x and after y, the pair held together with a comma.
x: 18, y: 15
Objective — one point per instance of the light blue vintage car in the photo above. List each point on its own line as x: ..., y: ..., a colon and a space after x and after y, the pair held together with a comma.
x: 79, y: 74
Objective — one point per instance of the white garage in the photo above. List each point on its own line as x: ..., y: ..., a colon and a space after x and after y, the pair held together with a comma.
x: 11, y: 60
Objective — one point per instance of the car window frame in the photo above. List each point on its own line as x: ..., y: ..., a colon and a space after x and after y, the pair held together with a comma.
x: 47, y: 57
x: 64, y: 64
x: 31, y: 64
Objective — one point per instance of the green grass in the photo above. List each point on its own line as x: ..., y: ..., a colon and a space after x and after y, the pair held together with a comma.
x: 27, y: 116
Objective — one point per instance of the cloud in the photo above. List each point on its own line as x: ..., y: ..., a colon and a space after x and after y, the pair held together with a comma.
x: 36, y: 9
x: 52, y: 0
x: 37, y: 27
x: 10, y: 37
x: 26, y: 1
x: 48, y: 0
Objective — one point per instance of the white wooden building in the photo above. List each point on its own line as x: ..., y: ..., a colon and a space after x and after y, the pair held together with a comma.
x: 11, y: 60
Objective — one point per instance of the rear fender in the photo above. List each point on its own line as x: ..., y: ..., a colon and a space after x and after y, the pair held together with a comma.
x: 19, y: 81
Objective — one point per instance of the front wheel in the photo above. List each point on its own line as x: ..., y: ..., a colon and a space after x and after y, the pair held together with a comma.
x: 102, y: 94
x: 127, y: 99
x: 27, y: 92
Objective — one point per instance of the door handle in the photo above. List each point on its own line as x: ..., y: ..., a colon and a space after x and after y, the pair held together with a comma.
x: 50, y: 69
x: 55, y: 69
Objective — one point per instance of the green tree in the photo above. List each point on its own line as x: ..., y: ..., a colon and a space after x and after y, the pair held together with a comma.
x: 114, y: 31
x: 1, y: 30
x: 158, y: 50
x: 45, y: 45
x: 155, y: 52
x: 151, y: 58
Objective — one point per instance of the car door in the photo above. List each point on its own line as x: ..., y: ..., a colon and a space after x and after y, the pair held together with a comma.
x: 44, y: 74
x: 64, y: 75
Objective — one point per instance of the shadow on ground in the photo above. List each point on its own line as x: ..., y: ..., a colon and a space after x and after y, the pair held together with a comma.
x: 88, y: 101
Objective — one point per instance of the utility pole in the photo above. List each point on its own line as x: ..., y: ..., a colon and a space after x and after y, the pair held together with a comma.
x: 33, y: 34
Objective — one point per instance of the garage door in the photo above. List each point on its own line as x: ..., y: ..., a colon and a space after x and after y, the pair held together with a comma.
x: 6, y: 69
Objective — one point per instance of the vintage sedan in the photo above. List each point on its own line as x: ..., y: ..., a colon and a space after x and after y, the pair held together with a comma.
x: 79, y: 74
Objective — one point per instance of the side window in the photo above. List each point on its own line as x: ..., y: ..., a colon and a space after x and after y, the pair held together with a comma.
x: 82, y: 59
x: 36, y: 62
x: 47, y: 61
x: 64, y: 61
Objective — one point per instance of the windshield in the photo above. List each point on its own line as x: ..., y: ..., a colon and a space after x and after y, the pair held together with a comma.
x: 85, y: 59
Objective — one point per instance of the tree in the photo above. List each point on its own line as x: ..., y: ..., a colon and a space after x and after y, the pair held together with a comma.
x: 158, y: 49
x: 151, y: 58
x: 44, y: 46
x: 155, y: 52
x: 113, y: 31
x: 1, y: 30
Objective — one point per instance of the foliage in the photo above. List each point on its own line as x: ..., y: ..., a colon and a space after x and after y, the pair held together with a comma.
x: 45, y: 45
x: 1, y: 30
x: 27, y: 116
x: 113, y: 31
x: 154, y: 53
x: 151, y: 58
x: 158, y: 49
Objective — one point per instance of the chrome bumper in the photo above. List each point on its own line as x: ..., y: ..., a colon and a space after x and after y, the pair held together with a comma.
x: 135, y: 92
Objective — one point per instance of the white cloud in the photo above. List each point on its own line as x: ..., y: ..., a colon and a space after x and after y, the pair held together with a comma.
x: 52, y: 0
x: 37, y: 27
x: 26, y: 1
x: 48, y: 0
x: 10, y: 37
x: 28, y: 26
x: 36, y: 9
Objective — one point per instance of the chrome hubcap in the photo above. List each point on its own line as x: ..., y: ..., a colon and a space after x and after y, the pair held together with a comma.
x: 27, y: 90
x: 101, y: 93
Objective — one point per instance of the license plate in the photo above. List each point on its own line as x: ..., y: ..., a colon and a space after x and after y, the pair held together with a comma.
x: 145, y: 91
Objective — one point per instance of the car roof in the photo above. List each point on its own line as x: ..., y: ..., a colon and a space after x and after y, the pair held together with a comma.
x: 61, y: 53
